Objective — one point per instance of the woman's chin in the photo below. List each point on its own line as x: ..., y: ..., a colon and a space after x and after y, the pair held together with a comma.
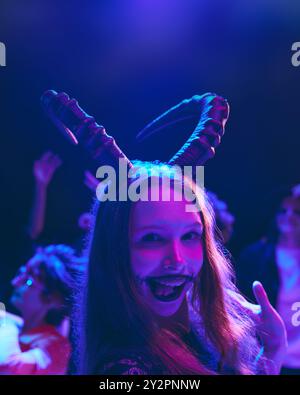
x: 166, y: 308
x: 16, y: 300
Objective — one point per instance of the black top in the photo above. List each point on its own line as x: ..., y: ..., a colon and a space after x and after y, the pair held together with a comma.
x: 135, y: 362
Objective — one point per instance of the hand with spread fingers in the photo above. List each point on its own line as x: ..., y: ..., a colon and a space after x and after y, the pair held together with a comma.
x: 45, y: 167
x: 271, y: 330
x: 270, y: 327
x: 43, y: 171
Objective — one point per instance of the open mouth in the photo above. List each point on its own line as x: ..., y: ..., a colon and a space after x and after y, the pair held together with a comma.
x: 167, y: 288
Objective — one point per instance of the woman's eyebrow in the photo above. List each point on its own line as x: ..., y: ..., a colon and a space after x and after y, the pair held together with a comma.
x: 141, y: 228
x: 197, y: 223
x: 196, y: 226
x: 157, y: 226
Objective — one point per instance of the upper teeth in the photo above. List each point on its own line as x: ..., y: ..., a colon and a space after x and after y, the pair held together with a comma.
x: 172, y: 283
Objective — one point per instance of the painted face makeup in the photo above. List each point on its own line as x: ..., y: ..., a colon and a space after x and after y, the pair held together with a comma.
x: 166, y: 252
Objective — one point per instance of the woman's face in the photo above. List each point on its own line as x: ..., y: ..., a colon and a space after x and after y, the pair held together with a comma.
x: 166, y: 251
x: 28, y: 290
x: 288, y: 217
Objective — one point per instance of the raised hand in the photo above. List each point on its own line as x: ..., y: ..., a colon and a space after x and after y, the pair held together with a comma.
x: 43, y: 170
x: 45, y: 167
x: 269, y: 326
x: 271, y: 329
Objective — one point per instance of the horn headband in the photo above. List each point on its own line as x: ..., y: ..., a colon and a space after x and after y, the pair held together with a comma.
x: 210, y: 110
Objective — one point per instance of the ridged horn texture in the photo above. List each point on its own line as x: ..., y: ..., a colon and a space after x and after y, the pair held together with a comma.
x: 211, y: 110
x: 80, y: 127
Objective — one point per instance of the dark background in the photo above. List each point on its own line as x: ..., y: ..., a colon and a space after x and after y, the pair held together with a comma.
x: 127, y: 62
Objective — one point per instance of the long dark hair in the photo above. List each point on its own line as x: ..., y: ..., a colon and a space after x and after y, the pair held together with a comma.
x: 113, y: 316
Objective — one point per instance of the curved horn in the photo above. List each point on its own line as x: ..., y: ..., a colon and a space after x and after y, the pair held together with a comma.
x: 78, y: 126
x: 212, y: 111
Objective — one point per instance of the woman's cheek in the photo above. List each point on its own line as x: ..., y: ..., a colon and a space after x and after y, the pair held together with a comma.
x: 196, y: 259
x: 145, y: 261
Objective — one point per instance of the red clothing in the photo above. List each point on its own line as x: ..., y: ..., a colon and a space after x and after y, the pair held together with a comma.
x: 39, y: 351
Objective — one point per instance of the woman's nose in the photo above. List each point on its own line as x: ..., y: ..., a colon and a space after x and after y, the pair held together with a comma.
x: 289, y: 213
x: 17, y: 281
x: 175, y: 256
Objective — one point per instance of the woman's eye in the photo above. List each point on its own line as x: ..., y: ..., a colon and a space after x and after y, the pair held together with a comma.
x: 192, y: 236
x: 152, y: 238
x: 282, y: 211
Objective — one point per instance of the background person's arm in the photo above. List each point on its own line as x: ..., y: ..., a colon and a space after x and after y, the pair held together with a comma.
x: 43, y: 170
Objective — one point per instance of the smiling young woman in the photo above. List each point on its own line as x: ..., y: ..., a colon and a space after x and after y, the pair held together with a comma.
x: 158, y: 296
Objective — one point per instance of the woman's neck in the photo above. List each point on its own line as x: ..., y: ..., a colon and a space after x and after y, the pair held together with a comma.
x: 180, y: 320
x: 33, y: 321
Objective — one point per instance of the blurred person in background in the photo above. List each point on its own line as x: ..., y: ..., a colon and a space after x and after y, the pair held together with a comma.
x: 36, y: 343
x: 275, y: 261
